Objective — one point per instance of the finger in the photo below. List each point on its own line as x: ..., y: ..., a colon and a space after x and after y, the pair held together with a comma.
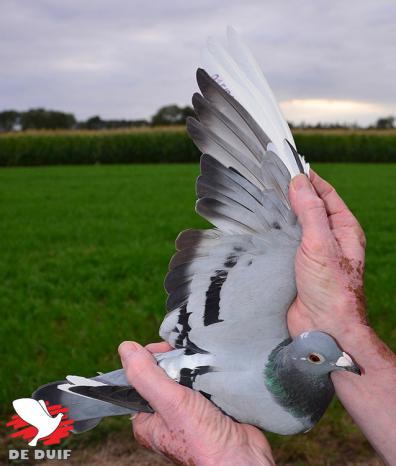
x: 339, y: 214
x: 158, y: 347
x: 333, y: 202
x: 311, y: 213
x: 152, y: 383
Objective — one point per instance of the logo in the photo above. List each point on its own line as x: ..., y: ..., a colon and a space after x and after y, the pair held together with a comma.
x: 38, y: 421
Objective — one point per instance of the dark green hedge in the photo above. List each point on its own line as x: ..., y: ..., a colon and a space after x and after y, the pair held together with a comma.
x: 170, y: 146
x: 358, y: 147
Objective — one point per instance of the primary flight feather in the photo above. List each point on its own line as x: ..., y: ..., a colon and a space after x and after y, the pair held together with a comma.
x: 230, y: 287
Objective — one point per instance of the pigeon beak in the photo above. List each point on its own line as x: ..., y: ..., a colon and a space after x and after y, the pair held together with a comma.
x: 345, y: 362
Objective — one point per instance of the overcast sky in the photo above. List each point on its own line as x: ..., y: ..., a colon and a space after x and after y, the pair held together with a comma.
x: 325, y: 60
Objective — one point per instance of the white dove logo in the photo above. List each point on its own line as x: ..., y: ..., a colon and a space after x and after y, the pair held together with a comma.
x: 36, y: 413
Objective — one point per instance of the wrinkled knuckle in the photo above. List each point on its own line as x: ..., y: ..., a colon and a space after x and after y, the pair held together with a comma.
x: 314, y: 203
x: 177, y: 403
x: 329, y: 191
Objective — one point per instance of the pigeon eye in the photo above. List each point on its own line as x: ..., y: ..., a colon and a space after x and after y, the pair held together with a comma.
x: 315, y: 358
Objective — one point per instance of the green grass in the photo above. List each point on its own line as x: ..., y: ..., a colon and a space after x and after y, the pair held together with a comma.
x: 84, y: 251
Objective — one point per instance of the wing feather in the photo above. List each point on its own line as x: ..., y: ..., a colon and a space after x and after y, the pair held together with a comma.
x: 217, y: 277
x: 246, y: 61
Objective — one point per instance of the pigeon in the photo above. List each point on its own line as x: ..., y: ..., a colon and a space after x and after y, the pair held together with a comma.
x: 230, y: 287
x: 35, y: 412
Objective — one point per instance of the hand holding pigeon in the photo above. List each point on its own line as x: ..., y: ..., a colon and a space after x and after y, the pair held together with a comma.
x: 329, y: 262
x: 186, y: 427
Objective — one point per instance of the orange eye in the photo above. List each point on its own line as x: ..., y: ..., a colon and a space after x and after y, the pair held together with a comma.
x: 315, y: 358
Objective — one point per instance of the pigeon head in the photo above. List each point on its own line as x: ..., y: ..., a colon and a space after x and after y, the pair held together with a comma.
x: 318, y: 353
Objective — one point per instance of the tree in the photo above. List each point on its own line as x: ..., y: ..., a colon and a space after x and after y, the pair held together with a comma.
x: 385, y: 123
x: 95, y: 122
x: 187, y: 111
x: 172, y: 115
x: 8, y: 120
x: 39, y: 118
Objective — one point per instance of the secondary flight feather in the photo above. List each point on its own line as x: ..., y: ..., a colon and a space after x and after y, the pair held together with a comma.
x: 230, y: 286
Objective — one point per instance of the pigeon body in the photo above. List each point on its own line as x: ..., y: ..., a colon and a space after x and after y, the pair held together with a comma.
x: 230, y: 287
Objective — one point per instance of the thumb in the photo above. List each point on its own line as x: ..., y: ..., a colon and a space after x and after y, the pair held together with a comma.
x: 311, y: 213
x: 163, y: 394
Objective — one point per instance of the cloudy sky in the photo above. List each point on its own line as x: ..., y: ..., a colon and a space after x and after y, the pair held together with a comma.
x: 325, y: 60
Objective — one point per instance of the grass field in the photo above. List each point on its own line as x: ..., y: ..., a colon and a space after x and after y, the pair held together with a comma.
x: 84, y: 251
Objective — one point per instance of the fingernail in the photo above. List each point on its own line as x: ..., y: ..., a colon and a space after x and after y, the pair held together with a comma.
x: 133, y: 416
x: 128, y: 347
x: 300, y: 182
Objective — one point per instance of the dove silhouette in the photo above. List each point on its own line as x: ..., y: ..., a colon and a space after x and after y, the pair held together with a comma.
x: 35, y: 412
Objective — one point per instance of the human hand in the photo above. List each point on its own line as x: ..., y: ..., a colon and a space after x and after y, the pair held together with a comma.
x: 329, y: 261
x: 329, y: 276
x: 186, y: 427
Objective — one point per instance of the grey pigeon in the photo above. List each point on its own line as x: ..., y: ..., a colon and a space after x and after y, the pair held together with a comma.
x: 230, y: 287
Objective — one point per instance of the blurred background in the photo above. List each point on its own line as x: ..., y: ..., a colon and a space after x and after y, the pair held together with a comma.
x: 97, y: 177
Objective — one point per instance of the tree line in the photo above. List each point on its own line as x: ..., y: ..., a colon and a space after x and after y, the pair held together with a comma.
x: 41, y: 118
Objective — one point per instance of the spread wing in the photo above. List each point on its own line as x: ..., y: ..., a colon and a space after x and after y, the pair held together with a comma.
x: 233, y: 284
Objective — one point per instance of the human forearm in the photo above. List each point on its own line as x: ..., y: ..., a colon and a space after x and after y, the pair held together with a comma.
x: 371, y: 398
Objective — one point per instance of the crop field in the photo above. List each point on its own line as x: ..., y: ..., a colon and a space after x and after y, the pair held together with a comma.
x: 172, y: 145
x: 84, y: 251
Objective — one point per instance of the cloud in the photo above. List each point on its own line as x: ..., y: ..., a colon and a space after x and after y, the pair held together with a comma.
x: 333, y: 111
x: 127, y: 58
